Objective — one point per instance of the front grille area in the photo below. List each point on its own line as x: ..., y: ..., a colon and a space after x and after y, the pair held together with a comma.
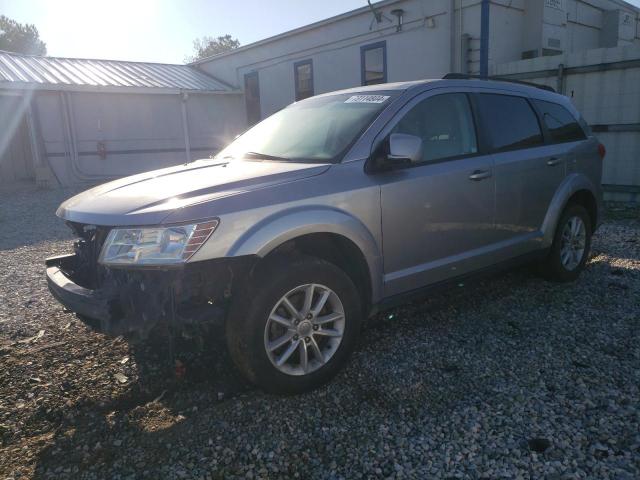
x: 86, y: 271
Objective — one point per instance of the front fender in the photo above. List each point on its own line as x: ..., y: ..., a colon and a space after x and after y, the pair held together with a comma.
x: 281, y: 227
x: 570, y: 185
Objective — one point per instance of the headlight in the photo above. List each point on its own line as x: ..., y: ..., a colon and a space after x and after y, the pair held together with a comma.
x: 155, y: 245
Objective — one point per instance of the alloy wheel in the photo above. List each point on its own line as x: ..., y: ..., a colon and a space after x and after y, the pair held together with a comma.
x: 572, y: 243
x: 304, y: 329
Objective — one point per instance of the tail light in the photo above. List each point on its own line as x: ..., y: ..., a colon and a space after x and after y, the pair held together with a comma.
x: 601, y: 151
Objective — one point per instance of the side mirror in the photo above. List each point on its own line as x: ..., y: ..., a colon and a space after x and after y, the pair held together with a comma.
x: 404, y: 149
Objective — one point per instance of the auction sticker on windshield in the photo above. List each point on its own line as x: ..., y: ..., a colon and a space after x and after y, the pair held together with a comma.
x: 366, y: 99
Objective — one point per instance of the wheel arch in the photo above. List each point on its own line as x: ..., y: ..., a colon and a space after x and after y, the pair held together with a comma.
x: 331, y: 234
x: 576, y: 188
x: 587, y: 199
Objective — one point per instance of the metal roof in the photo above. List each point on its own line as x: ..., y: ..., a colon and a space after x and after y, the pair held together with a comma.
x: 54, y: 73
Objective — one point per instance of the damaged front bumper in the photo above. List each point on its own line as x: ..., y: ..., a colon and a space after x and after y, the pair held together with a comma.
x: 133, y: 301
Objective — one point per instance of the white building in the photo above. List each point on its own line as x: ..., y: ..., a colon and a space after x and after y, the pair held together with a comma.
x: 77, y: 121
x: 397, y: 40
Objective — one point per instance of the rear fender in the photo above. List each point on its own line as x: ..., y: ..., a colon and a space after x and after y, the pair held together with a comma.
x: 571, y: 184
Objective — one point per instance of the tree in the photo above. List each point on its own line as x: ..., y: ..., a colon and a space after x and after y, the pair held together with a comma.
x: 20, y: 38
x: 208, y: 46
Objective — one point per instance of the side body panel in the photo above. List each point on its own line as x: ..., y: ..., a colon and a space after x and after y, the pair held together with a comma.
x: 432, y: 215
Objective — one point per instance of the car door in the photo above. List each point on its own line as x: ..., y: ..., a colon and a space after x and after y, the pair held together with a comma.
x: 527, y: 170
x: 437, y: 214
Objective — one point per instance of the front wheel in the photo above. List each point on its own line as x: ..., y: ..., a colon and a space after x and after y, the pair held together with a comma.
x: 571, y: 245
x: 295, y: 324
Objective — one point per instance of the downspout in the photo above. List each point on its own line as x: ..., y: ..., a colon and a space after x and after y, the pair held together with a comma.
x: 72, y: 142
x: 185, y: 126
x: 560, y: 79
x: 37, y: 145
x: 68, y: 138
x: 484, y: 38
x: 452, y: 35
x: 33, y: 139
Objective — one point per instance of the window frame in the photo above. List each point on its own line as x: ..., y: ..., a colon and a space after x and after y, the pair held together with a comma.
x: 383, y: 136
x: 296, y: 65
x: 363, y: 50
x: 486, y: 132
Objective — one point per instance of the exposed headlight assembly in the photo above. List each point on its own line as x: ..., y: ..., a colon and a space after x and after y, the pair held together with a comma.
x: 155, y: 245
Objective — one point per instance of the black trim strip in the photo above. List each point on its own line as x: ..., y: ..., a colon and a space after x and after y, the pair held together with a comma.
x: 600, y: 67
x: 607, y: 187
x: 617, y: 127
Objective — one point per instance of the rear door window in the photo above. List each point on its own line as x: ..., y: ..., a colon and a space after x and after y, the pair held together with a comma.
x: 510, y: 121
x: 562, y: 126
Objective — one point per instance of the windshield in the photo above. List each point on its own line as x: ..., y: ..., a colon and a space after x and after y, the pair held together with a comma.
x: 319, y: 129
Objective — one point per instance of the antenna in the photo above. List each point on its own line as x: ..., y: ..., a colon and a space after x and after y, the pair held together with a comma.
x: 378, y: 16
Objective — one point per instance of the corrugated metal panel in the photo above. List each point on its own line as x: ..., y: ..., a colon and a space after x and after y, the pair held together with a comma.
x: 26, y: 70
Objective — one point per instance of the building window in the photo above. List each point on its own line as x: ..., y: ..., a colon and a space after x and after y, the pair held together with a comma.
x: 373, y: 61
x: 252, y: 97
x: 303, y: 73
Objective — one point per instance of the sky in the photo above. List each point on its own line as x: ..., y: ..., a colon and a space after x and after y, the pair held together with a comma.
x: 162, y: 30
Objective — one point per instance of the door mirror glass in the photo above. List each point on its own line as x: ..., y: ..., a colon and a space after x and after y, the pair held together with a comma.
x: 404, y: 148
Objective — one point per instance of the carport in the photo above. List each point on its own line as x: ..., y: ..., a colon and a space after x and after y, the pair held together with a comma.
x: 72, y: 121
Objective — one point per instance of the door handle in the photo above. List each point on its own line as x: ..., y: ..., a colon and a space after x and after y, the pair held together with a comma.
x: 553, y: 161
x: 480, y: 175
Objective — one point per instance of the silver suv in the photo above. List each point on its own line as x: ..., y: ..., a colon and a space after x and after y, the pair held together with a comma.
x: 331, y: 210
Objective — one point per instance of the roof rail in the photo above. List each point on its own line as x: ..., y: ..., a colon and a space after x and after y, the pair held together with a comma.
x: 464, y: 76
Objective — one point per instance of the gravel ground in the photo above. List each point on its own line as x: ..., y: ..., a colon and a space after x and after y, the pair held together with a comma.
x: 510, y: 378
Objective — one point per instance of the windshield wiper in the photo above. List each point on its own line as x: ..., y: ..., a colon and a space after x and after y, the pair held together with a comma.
x: 264, y: 156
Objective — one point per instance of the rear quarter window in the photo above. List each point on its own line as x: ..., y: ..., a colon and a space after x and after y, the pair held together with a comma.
x: 562, y: 125
x: 510, y: 121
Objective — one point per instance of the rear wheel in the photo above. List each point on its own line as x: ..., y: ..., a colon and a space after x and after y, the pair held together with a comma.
x: 294, y: 326
x: 571, y: 245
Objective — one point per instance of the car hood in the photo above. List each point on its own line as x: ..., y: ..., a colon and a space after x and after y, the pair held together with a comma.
x: 148, y: 198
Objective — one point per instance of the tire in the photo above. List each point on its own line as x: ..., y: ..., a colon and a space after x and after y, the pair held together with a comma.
x: 556, y: 266
x: 252, y: 332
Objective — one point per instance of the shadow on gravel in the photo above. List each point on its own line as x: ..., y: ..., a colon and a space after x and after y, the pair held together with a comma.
x: 174, y: 381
